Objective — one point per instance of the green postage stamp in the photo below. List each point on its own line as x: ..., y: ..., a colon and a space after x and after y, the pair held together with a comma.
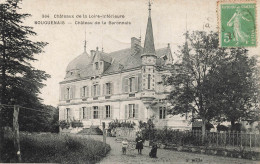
x: 237, y: 23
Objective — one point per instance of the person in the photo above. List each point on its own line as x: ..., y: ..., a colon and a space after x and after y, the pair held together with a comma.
x: 139, y: 143
x: 236, y: 22
x: 124, y: 145
x: 153, y: 153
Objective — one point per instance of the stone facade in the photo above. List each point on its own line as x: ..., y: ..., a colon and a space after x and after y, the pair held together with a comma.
x: 124, y: 85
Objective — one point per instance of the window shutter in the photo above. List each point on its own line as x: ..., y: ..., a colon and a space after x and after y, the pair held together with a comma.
x: 140, y: 82
x: 111, y: 112
x: 98, y: 90
x: 104, y: 112
x: 125, y: 85
x: 136, y: 84
x: 136, y: 110
x: 130, y: 114
x: 70, y: 114
x: 65, y: 114
x: 70, y: 94
x: 91, y: 113
x: 66, y: 95
x: 80, y: 113
x: 81, y: 91
x: 100, y: 112
x: 73, y: 91
x: 88, y: 113
x: 62, y: 93
x: 87, y: 91
x: 104, y: 89
x: 92, y: 91
x: 112, y: 88
x: 126, y: 112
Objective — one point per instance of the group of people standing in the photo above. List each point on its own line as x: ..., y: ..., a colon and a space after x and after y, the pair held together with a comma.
x: 139, y: 146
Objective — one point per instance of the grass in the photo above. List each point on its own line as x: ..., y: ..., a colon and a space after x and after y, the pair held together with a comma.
x: 55, y: 148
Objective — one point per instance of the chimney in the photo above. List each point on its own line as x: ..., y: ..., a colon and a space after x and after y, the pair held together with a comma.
x: 134, y: 42
x: 92, y: 52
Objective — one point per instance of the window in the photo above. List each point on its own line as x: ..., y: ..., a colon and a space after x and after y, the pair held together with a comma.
x: 96, y: 65
x: 162, y: 112
x: 131, y: 110
x: 84, y: 113
x: 108, y: 111
x: 149, y: 81
x: 95, y: 88
x: 108, y: 88
x: 67, y: 114
x: 84, y: 91
x: 67, y: 93
x: 95, y: 112
x: 132, y: 84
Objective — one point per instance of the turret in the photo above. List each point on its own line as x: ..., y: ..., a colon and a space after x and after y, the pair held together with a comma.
x: 148, y: 62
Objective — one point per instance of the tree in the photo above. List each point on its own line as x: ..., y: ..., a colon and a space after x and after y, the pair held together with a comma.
x: 20, y: 81
x: 237, y: 84
x: 211, y: 82
x: 199, y: 56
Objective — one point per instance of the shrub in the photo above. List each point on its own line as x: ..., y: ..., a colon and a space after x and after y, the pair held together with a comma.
x: 76, y: 124
x: 64, y: 124
x: 115, y: 124
x: 55, y: 148
x: 222, y: 127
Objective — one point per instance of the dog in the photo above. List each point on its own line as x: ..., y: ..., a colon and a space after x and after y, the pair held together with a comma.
x: 153, y: 153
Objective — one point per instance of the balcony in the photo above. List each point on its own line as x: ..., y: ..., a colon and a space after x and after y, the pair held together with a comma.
x: 107, y: 97
x: 132, y: 95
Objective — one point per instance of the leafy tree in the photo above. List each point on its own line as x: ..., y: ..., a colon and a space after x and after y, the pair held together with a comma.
x: 35, y: 121
x: 236, y: 82
x: 213, y: 83
x: 20, y: 82
x: 199, y: 56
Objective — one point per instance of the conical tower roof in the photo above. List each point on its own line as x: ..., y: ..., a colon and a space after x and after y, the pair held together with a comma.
x: 149, y: 41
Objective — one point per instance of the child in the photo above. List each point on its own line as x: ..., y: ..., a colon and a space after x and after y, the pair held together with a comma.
x: 153, y: 153
x: 124, y: 145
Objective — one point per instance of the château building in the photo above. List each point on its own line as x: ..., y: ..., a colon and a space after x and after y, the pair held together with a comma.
x: 123, y: 85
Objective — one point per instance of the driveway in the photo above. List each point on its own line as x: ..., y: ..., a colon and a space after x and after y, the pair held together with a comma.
x: 164, y: 156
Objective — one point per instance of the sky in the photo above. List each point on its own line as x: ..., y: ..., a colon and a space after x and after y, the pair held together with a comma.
x: 170, y: 19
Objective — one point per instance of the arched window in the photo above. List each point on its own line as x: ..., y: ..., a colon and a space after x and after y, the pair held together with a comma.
x: 149, y: 81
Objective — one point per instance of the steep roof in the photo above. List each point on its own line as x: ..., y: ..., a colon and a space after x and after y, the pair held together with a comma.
x: 79, y: 62
x: 149, y: 41
x: 120, y: 61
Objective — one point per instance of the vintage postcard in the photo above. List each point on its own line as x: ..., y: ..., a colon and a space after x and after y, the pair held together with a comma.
x: 129, y: 81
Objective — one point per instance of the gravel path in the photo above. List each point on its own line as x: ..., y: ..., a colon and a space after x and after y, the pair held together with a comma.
x: 164, y: 156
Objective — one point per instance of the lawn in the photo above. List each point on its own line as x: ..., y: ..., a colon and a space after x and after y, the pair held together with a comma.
x: 55, y: 148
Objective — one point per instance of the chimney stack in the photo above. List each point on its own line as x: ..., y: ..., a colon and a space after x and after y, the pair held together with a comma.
x: 134, y: 42
x: 92, y: 52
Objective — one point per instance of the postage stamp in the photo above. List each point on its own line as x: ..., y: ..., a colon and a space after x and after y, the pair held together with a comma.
x: 237, y: 23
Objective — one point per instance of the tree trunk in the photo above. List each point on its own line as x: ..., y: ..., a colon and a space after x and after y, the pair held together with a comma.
x: 3, y: 96
x: 232, y: 125
x: 203, y: 128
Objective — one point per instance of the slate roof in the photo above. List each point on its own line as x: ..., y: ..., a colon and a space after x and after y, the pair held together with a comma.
x: 120, y: 61
x: 149, y: 41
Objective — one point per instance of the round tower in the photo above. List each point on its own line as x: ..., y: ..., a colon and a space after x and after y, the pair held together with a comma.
x: 148, y: 62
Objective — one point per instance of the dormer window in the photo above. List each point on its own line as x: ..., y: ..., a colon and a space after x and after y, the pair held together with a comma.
x: 96, y: 65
